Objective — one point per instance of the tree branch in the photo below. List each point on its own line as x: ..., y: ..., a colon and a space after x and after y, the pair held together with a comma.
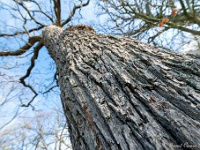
x: 74, y: 11
x: 184, y: 8
x: 152, y: 20
x: 50, y: 89
x: 57, y: 10
x: 26, y: 9
x: 22, y: 50
x: 22, y: 32
x: 55, y: 79
x: 42, y: 12
x: 22, y: 79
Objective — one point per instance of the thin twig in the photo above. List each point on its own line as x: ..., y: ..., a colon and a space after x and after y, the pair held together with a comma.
x: 74, y: 11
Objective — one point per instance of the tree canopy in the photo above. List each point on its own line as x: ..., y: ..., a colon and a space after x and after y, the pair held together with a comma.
x: 165, y: 23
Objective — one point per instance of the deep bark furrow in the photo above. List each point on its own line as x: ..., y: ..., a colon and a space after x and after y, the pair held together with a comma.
x: 122, y: 87
x: 167, y: 130
x: 82, y: 115
x: 152, y: 122
x: 166, y: 120
x: 85, y: 87
x: 183, y: 67
x: 183, y: 102
x: 75, y: 132
x: 142, y: 119
x: 101, y: 117
x: 180, y: 90
x: 115, y: 99
x: 123, y: 94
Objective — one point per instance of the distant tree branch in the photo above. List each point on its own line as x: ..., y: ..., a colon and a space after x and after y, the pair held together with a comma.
x: 184, y: 8
x: 74, y: 11
x: 175, y: 26
x: 13, y: 117
x: 52, y: 87
x: 152, y: 20
x: 42, y: 12
x: 190, y: 12
x: 143, y: 20
x: 22, y: 50
x: 152, y: 38
x: 29, y: 13
x: 170, y: 24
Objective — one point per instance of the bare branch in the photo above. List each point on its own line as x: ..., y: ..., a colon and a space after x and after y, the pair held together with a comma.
x: 152, y: 20
x: 184, y: 8
x: 15, y: 115
x: 57, y: 10
x: 31, y: 16
x: 170, y: 24
x: 22, y: 50
x: 50, y: 89
x: 42, y: 12
x: 22, y: 32
x: 143, y: 20
x: 22, y: 79
x: 74, y: 11
x: 36, y: 52
x: 175, y: 26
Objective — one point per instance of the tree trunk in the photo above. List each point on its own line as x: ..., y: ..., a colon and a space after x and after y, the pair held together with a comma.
x: 122, y: 94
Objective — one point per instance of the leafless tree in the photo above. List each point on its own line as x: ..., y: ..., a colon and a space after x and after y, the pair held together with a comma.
x: 166, y: 23
x: 44, y: 131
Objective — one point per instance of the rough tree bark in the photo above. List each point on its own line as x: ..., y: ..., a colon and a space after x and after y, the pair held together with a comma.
x: 118, y: 93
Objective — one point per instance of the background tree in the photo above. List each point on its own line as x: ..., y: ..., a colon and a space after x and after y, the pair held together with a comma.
x: 169, y: 24
x: 44, y: 131
x: 118, y: 93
